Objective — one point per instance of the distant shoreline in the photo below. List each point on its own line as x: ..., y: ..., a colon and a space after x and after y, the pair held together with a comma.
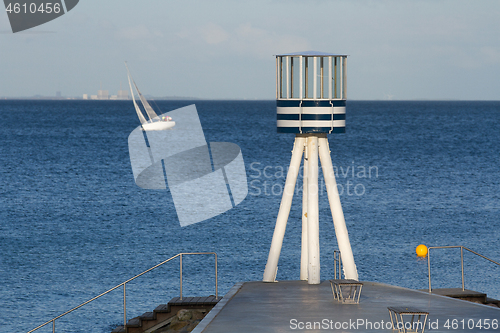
x: 53, y: 98
x: 233, y: 99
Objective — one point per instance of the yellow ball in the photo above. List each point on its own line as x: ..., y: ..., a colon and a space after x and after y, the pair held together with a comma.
x: 421, y: 250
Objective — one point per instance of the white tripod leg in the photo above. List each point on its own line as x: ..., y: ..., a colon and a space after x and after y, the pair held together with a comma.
x: 313, y: 210
x: 304, y: 253
x: 350, y: 270
x: 286, y: 203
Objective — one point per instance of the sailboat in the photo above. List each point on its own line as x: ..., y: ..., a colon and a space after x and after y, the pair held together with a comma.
x: 155, y: 123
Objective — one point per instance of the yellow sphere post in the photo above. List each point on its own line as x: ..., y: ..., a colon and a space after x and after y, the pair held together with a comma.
x: 421, y: 250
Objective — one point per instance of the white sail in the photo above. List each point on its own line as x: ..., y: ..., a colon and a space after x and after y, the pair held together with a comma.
x: 149, y: 110
x: 137, y: 109
x: 154, y: 123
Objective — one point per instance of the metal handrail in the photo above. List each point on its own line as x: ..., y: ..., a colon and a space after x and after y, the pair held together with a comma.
x: 462, y: 248
x: 337, y: 264
x: 53, y: 320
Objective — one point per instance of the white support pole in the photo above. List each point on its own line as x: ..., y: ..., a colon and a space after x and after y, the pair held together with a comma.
x: 304, y: 253
x: 284, y: 211
x: 330, y: 69
x: 344, y: 80
x: 350, y: 271
x: 315, y: 75
x: 279, y: 70
x: 301, y: 88
x: 287, y: 78
x: 313, y: 210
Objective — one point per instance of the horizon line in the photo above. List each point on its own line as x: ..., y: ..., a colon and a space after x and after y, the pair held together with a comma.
x: 185, y: 98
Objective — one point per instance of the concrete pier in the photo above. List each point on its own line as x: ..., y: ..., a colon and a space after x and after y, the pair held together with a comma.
x: 296, y: 306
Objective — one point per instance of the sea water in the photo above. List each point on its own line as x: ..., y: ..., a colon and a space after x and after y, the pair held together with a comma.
x: 73, y: 224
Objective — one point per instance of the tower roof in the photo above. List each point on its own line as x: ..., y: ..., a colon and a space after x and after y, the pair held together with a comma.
x: 312, y: 54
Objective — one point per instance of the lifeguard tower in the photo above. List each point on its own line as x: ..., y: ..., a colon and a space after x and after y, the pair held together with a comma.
x: 311, y: 102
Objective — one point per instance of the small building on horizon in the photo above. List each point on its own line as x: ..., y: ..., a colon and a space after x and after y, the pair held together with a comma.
x: 122, y: 94
x: 102, y: 94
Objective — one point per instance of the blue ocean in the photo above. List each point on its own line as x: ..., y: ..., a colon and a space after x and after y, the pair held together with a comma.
x: 74, y: 224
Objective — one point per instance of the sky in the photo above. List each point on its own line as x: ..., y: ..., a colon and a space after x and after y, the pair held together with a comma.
x: 221, y: 49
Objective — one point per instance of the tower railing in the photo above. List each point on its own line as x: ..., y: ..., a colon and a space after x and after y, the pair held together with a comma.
x: 462, y: 248
x: 337, y: 265
x: 53, y: 320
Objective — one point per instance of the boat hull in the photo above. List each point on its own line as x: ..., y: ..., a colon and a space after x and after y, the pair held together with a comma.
x: 158, y: 125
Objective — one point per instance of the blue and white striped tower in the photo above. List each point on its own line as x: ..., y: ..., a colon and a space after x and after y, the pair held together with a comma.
x: 311, y: 100
x: 311, y: 94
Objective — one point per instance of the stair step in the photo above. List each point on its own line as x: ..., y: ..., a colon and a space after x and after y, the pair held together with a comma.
x: 147, y: 316
x: 163, y: 312
x: 119, y: 329
x: 467, y: 295
x: 134, y: 322
x: 162, y: 308
x: 492, y: 301
x: 208, y: 300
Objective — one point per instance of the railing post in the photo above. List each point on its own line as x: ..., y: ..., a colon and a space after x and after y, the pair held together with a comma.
x: 339, y: 259
x: 462, y: 261
x: 181, y: 275
x: 54, y: 326
x: 216, y: 279
x: 334, y: 265
x: 337, y: 265
x: 124, y: 306
x: 429, y: 268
